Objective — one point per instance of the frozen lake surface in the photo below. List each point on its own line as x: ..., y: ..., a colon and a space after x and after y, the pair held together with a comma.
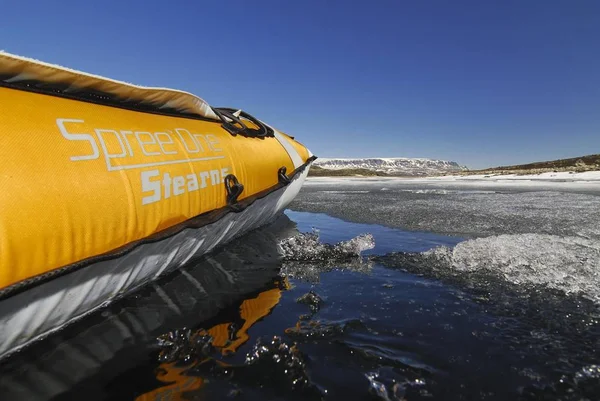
x: 467, y: 207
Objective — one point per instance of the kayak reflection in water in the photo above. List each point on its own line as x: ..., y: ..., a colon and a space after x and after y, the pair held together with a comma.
x: 223, y: 338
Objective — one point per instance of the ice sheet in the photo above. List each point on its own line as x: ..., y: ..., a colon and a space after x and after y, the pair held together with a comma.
x: 466, y: 207
x: 562, y: 181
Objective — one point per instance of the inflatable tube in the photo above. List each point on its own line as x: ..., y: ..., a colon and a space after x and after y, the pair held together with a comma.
x: 111, y: 343
x: 123, y: 183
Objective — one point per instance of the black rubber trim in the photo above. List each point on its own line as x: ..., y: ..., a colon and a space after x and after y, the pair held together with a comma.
x: 97, y: 97
x: 195, y: 222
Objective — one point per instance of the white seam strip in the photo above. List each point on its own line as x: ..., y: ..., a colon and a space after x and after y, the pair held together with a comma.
x: 296, y: 159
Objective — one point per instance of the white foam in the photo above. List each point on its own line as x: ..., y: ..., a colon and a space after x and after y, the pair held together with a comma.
x: 569, y: 264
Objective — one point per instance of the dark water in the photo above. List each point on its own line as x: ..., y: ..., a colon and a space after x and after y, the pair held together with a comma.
x: 317, y: 322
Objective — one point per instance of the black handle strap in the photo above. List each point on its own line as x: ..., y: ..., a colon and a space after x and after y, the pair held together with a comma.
x: 282, y: 176
x: 236, y: 127
x: 229, y: 122
x: 233, y: 187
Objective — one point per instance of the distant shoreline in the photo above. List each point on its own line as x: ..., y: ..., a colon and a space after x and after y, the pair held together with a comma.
x: 573, y: 165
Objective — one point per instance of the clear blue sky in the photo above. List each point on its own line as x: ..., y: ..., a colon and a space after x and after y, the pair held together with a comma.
x: 480, y: 82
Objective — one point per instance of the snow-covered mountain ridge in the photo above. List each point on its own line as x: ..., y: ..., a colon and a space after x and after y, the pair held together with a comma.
x: 394, y: 166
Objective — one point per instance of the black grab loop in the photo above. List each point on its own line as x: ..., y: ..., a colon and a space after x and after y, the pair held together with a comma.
x: 262, y: 131
x: 233, y: 188
x: 282, y: 176
x: 229, y: 122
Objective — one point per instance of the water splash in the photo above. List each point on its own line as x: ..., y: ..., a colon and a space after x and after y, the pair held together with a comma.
x: 275, y: 362
x: 376, y: 387
x: 322, y: 330
x: 567, y: 264
x: 311, y: 271
x: 388, y: 384
x: 305, y: 257
x: 582, y: 385
x: 308, y: 247
x: 313, y: 300
x: 272, y: 364
x: 183, y: 345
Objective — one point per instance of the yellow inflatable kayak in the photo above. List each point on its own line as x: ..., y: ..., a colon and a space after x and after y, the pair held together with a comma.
x: 106, y: 186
